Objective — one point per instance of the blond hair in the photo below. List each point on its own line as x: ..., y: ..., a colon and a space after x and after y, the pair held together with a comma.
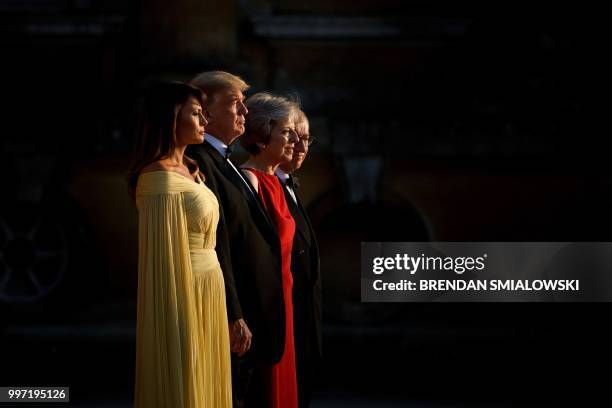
x: 211, y: 82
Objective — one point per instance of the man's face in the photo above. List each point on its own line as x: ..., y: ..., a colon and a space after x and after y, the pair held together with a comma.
x: 300, y: 149
x: 227, y: 115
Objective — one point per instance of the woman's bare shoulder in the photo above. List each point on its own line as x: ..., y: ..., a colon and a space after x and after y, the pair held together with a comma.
x: 251, y: 177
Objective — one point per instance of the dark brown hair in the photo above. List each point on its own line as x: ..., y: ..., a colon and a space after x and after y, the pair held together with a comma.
x: 156, y: 137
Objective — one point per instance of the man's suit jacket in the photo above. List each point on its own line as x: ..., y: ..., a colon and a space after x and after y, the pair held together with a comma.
x: 248, y: 249
x: 306, y: 270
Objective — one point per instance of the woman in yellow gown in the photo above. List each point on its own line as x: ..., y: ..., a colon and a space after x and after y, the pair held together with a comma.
x: 182, y: 338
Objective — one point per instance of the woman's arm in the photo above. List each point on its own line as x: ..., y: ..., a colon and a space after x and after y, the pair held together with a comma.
x: 252, y: 178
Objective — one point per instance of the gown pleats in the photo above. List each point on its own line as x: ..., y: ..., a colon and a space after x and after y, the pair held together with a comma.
x: 182, y: 338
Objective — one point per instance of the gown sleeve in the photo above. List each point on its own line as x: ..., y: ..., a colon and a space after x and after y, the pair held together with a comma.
x: 166, y: 304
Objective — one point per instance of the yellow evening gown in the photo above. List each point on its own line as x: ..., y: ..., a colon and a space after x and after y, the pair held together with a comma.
x: 182, y: 339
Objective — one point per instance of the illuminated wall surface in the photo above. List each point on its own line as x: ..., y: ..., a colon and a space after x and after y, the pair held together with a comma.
x: 435, y: 121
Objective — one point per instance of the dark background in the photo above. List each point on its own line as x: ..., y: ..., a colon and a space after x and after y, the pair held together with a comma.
x: 436, y: 120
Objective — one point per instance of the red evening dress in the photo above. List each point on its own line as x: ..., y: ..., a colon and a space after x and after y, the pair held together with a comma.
x: 283, y: 378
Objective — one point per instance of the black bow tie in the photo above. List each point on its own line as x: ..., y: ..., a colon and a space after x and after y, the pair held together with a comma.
x: 228, y: 151
x: 293, y: 182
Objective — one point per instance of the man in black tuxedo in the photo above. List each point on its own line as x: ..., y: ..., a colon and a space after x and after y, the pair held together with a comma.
x: 306, y: 271
x: 248, y: 246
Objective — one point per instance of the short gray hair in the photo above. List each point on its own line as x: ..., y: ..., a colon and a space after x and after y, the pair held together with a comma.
x: 265, y: 110
x: 300, y: 120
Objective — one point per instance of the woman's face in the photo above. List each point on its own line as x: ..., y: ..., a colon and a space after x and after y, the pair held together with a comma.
x: 190, y: 123
x: 282, y: 142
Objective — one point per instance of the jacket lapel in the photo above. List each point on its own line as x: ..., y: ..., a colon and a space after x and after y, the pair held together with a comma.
x: 304, y: 228
x: 250, y: 195
x: 298, y: 215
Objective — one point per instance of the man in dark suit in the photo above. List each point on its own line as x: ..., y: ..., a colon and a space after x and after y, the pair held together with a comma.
x: 306, y: 271
x: 247, y: 244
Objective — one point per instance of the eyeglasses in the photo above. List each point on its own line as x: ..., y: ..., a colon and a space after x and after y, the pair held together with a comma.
x: 309, y: 140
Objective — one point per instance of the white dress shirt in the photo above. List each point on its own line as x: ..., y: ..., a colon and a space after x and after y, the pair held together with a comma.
x: 222, y: 148
x: 283, y: 178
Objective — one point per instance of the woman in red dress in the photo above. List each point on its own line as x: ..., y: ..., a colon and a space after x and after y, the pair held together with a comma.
x: 269, y: 138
